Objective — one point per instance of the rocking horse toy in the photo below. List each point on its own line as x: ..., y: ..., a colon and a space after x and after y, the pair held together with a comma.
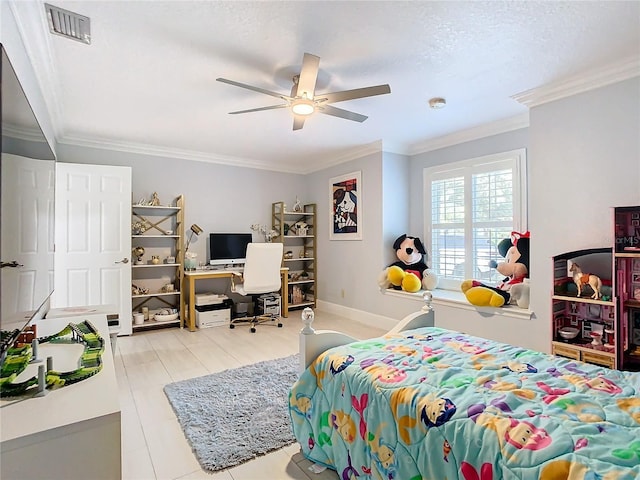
x: 582, y: 279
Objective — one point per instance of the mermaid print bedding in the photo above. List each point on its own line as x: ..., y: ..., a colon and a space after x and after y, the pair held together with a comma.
x: 433, y: 404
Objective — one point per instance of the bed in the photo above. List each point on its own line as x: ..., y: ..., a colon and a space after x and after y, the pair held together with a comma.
x: 424, y: 403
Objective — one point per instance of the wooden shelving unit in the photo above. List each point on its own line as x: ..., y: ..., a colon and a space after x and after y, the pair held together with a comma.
x: 300, y: 254
x: 585, y: 313
x: 627, y: 267
x: 163, y: 237
x: 619, y: 313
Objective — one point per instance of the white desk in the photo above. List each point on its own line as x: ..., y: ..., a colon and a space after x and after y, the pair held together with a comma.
x: 192, y: 276
x: 70, y: 433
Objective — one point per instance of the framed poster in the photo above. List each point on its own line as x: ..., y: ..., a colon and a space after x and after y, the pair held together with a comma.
x: 346, y: 207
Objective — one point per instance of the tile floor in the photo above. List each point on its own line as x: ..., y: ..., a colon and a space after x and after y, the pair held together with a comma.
x: 153, y: 445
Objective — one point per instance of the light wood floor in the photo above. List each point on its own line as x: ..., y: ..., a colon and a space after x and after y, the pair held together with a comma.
x: 153, y: 444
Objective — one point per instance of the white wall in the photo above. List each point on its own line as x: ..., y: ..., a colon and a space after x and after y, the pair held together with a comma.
x: 343, y: 265
x: 584, y: 159
x: 396, y: 204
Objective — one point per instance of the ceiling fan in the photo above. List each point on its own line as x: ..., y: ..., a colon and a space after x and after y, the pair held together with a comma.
x: 303, y: 100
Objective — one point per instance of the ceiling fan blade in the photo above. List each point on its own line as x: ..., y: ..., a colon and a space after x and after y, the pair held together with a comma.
x: 308, y: 75
x: 272, y: 107
x: 353, y: 94
x: 298, y: 122
x: 255, y: 89
x: 338, y: 112
x: 294, y: 88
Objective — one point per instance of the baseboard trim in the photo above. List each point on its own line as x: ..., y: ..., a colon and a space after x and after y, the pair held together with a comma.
x: 360, y: 316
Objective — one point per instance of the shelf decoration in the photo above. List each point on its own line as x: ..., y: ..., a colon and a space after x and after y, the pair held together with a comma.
x: 138, y: 228
x: 138, y: 252
x: 136, y: 290
x: 269, y: 234
x: 190, y: 261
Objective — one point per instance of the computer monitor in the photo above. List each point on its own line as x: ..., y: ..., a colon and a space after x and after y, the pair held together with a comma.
x: 228, y: 248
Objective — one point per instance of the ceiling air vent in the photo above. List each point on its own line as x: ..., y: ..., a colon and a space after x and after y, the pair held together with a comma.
x: 68, y: 24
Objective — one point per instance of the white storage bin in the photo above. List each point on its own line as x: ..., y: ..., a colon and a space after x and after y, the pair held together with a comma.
x: 269, y: 305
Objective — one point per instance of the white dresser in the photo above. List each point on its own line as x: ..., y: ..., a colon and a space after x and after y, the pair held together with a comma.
x: 70, y: 433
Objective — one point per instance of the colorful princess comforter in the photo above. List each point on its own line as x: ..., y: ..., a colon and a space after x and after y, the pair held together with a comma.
x: 432, y: 404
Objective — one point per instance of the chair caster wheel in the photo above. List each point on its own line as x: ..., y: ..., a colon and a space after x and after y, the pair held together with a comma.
x: 279, y: 325
x: 253, y: 330
x: 231, y: 325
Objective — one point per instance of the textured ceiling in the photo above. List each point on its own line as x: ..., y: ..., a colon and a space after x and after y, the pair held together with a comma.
x: 147, y: 81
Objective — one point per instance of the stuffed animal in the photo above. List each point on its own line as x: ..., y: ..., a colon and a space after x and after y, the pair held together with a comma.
x: 520, y: 294
x: 410, y: 273
x: 514, y: 288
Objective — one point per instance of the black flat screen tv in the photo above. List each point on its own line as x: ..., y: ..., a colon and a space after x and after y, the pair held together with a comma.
x: 228, y: 248
x: 27, y: 196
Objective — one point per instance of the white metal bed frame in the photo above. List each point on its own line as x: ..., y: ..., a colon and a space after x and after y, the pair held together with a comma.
x: 314, y: 342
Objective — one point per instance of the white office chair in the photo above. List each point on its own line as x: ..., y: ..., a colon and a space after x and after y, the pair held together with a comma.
x: 261, y: 275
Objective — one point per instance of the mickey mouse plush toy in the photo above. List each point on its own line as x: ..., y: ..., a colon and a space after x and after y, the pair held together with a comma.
x: 514, y: 288
x: 410, y: 273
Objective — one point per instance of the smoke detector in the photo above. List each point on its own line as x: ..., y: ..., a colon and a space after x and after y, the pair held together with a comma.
x: 68, y: 24
x: 437, y: 103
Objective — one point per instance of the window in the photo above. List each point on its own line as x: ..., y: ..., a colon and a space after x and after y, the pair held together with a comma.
x: 469, y: 207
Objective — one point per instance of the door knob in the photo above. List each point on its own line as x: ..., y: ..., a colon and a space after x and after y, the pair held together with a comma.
x: 124, y: 260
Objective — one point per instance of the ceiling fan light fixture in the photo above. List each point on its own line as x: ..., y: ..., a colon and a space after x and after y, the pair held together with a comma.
x: 437, y: 103
x: 303, y: 101
x: 303, y: 106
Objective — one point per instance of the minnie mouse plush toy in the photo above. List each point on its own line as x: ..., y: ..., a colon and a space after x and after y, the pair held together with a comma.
x: 514, y: 288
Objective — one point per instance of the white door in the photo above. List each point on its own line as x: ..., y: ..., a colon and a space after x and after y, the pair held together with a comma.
x: 93, y: 238
x: 27, y: 202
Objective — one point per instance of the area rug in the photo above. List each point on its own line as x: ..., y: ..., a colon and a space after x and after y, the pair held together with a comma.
x: 236, y: 415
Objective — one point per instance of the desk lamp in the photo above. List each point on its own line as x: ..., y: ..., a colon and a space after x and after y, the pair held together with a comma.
x: 194, y: 229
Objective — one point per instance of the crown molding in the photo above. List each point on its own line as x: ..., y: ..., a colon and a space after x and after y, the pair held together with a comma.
x: 174, y: 153
x: 474, y: 133
x: 397, y: 148
x: 349, y: 155
x: 33, y: 28
x: 153, y: 150
x: 28, y: 134
x: 614, y: 73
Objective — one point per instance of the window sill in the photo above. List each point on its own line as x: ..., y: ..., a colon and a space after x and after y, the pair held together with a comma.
x: 453, y: 299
